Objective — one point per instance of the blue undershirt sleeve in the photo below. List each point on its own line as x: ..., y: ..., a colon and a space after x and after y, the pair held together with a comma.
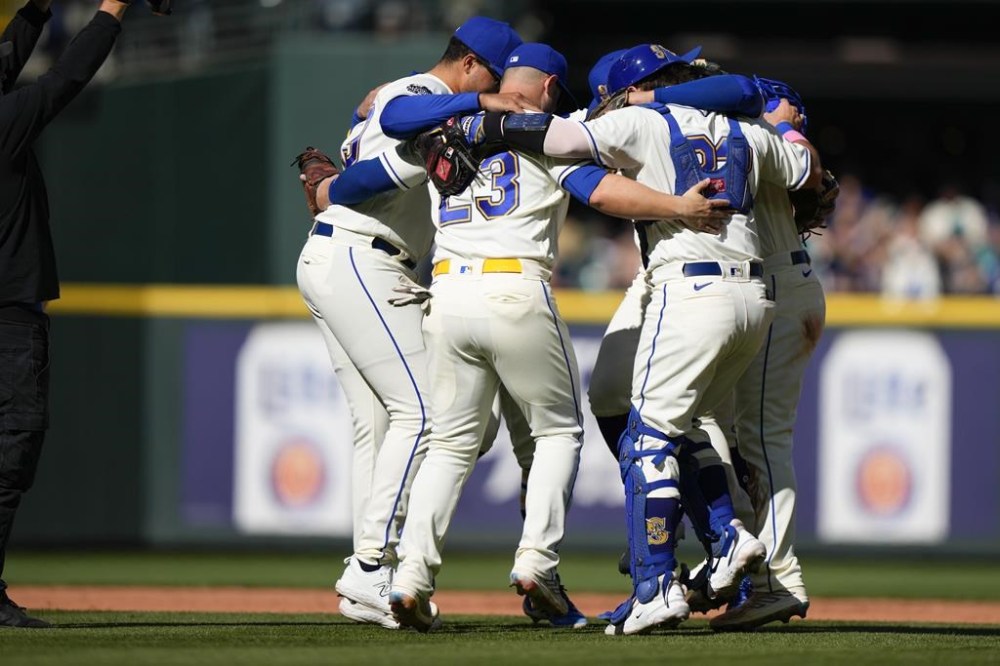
x: 408, y: 115
x: 360, y: 182
x: 726, y: 93
x: 582, y: 182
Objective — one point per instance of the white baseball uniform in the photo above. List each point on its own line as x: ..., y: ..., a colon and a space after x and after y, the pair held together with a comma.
x: 346, y: 272
x: 699, y: 332
x: 493, y: 319
x: 767, y: 395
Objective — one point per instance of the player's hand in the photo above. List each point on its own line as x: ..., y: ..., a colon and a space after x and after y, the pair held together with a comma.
x: 410, y: 293
x: 322, y: 191
x: 785, y: 112
x: 366, y: 104
x: 702, y: 214
x: 513, y: 102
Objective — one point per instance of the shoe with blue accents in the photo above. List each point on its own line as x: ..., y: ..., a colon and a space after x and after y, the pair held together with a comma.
x: 666, y: 609
x: 546, y: 592
x: 734, y: 555
x: 414, y: 611
x: 571, y: 619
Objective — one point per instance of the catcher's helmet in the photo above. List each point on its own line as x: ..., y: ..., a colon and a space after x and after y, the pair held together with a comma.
x: 641, y: 61
x: 773, y: 91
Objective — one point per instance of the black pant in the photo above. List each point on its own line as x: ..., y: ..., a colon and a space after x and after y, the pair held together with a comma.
x: 24, y: 408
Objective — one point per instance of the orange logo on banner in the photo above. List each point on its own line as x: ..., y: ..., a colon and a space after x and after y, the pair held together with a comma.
x: 884, y: 482
x: 297, y: 474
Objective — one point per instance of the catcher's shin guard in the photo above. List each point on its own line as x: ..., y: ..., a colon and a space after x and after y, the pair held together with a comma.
x: 645, y: 566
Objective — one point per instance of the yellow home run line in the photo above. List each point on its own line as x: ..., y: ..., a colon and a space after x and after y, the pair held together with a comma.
x: 576, y: 307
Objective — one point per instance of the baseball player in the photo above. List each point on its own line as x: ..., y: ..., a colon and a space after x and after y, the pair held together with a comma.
x: 767, y: 398
x: 352, y: 260
x: 707, y: 317
x: 493, y: 320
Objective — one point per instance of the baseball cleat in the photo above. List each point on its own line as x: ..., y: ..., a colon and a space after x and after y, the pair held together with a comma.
x: 736, y: 554
x: 370, y: 588
x: 762, y: 608
x: 572, y: 618
x: 695, y: 582
x: 413, y: 611
x: 665, y: 610
x: 546, y: 592
x: 363, y: 614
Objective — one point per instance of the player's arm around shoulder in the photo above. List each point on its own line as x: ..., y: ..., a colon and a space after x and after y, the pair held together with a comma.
x: 621, y: 138
x: 785, y: 156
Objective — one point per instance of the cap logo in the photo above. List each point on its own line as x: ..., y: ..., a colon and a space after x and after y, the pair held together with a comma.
x: 660, y: 52
x: 515, y: 58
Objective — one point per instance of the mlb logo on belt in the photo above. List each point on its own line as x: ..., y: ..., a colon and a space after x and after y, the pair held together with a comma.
x: 465, y: 269
x: 736, y: 271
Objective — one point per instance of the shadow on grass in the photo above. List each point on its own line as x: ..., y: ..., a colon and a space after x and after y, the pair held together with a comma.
x: 126, y: 625
x: 842, y: 627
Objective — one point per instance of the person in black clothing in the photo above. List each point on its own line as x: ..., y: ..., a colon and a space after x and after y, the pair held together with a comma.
x: 28, y: 276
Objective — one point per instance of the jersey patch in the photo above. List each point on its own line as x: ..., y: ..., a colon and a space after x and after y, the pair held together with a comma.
x: 418, y: 89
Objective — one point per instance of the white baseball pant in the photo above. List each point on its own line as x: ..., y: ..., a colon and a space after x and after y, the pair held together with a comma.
x: 484, y: 330
x: 767, y: 401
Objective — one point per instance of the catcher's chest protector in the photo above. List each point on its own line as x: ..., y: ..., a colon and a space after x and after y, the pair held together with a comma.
x: 729, y: 181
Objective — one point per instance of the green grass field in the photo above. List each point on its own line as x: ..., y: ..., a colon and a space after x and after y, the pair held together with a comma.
x: 279, y: 640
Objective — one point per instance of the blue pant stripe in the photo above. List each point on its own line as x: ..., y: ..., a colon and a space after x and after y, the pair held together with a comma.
x: 416, y: 389
x: 652, y: 352
x: 562, y: 344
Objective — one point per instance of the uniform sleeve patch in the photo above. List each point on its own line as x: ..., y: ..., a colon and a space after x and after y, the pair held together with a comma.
x: 415, y: 89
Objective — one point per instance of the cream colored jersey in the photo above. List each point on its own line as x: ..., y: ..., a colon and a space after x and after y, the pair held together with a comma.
x: 515, y: 208
x: 400, y: 216
x: 637, y: 141
x: 776, y: 227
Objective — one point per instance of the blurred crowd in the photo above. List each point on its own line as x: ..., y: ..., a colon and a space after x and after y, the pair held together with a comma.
x: 906, y: 248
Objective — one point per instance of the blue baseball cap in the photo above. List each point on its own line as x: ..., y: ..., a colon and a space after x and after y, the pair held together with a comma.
x: 598, y: 77
x: 641, y: 61
x: 545, y: 59
x: 489, y: 39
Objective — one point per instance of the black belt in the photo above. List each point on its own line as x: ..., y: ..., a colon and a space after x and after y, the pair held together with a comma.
x: 700, y: 268
x: 324, y: 229
x: 800, y: 257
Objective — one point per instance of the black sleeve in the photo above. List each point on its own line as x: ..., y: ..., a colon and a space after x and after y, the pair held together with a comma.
x: 27, y: 110
x: 23, y: 30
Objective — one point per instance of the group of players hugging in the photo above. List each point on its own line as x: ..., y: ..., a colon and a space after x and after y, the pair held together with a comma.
x: 697, y: 380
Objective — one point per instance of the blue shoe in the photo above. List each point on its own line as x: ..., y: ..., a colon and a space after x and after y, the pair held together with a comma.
x: 746, y: 589
x: 572, y: 618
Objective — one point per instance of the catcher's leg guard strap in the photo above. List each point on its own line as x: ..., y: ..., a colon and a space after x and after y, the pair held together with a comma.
x: 646, y: 566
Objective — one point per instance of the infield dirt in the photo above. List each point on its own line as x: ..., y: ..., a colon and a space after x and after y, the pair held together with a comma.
x: 298, y: 600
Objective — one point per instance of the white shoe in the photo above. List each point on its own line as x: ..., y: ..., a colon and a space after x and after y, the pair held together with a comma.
x: 666, y: 609
x: 416, y: 612
x: 364, y: 614
x: 364, y: 587
x: 761, y: 608
x: 545, y: 592
x: 740, y: 553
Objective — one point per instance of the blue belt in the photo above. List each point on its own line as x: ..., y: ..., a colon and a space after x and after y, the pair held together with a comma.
x: 324, y: 229
x: 700, y: 268
x: 800, y: 257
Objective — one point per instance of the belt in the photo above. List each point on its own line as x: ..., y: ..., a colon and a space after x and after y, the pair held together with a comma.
x: 488, y: 266
x: 700, y: 268
x: 800, y: 257
x: 324, y: 229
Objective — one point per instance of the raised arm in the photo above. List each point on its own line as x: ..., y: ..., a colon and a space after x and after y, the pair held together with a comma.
x: 23, y: 32
x: 407, y: 115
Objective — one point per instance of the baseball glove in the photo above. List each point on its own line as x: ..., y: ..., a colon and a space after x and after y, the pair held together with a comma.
x: 451, y: 161
x: 314, y: 168
x: 813, y: 207
x: 610, y: 103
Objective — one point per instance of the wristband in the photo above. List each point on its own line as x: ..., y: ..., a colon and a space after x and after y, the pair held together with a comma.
x: 788, y: 132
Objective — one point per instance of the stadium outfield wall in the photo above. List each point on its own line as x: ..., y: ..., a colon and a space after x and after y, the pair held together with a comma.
x: 208, y: 415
